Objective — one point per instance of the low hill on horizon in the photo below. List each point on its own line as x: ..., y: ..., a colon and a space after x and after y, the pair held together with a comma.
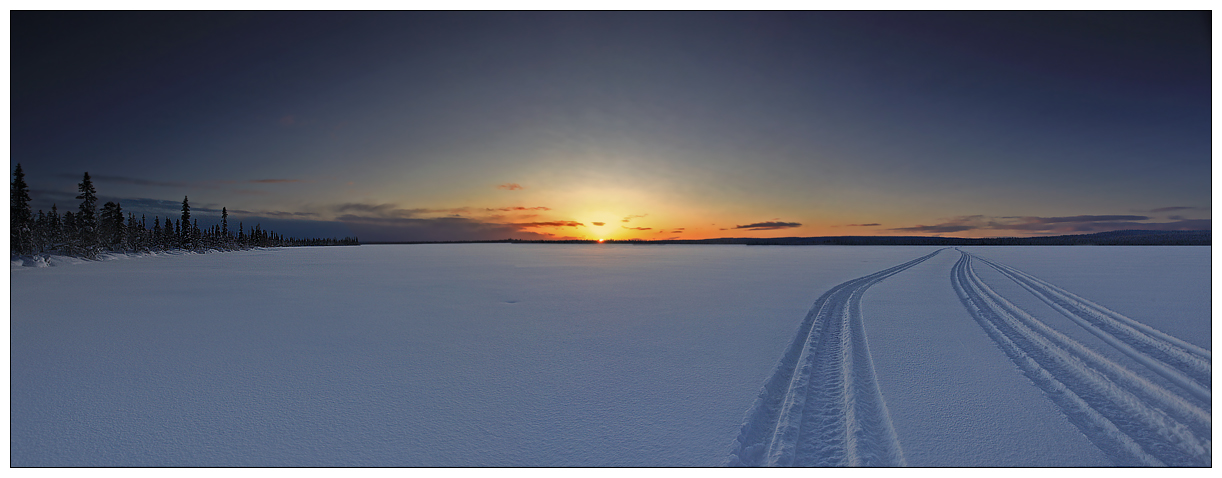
x: 1109, y: 238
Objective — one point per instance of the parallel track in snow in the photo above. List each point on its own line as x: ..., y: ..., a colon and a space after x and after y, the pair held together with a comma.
x: 1134, y: 421
x: 1184, y: 364
x: 822, y: 405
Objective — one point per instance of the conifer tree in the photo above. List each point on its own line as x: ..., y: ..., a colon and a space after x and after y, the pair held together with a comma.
x: 20, y: 222
x: 157, y: 242
x: 55, y: 230
x: 184, y: 232
x: 133, y: 234
x: 39, y: 236
x: 169, y: 238
x: 225, y: 225
x: 110, y: 227
x: 195, y: 235
x: 87, y: 219
x: 71, y: 237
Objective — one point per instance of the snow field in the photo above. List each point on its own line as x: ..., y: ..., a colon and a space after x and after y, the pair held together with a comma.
x: 547, y: 355
x: 433, y: 355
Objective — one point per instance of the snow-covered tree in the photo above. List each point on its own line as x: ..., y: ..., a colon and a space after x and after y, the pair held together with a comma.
x: 86, y: 225
x: 21, y: 225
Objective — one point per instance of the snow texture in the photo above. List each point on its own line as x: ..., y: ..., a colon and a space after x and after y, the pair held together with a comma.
x: 614, y: 355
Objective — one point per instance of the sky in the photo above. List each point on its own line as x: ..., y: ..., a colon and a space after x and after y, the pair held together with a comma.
x: 434, y: 126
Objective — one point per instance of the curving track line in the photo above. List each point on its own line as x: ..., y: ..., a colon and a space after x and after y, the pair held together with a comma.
x: 1184, y: 364
x: 822, y: 405
x: 1134, y: 421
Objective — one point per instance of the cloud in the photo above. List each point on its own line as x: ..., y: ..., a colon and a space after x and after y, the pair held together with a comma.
x: 112, y: 179
x: 105, y: 178
x: 393, y: 210
x: 549, y: 224
x: 938, y: 228
x: 1175, y: 208
x: 510, y: 186
x: 769, y: 225
x: 629, y: 218
x: 274, y: 214
x: 288, y: 120
x: 677, y: 231
x: 1055, y: 220
x: 872, y: 224
x: 637, y: 228
x: 1083, y: 224
x: 519, y: 208
x: 406, y: 229
x: 599, y: 223
x: 274, y: 181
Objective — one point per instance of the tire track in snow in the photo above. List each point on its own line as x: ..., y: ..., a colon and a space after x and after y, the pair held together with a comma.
x: 1184, y: 364
x: 822, y: 405
x: 1132, y: 420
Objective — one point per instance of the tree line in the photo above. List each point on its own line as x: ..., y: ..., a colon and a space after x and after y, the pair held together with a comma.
x: 89, y: 232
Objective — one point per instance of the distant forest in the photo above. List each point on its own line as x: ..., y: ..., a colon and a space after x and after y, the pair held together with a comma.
x: 88, y: 233
x: 1110, y: 238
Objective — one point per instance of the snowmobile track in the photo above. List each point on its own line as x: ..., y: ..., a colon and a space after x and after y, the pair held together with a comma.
x: 822, y: 405
x: 1132, y: 420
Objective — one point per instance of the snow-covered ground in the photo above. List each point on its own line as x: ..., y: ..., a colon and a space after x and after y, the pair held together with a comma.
x: 614, y: 355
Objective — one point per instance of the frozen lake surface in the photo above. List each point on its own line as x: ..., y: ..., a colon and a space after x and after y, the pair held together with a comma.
x: 615, y: 355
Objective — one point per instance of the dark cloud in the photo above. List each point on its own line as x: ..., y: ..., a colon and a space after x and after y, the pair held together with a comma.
x: 629, y: 218
x: 273, y: 181
x: 599, y: 223
x: 510, y: 186
x: 105, y: 178
x: 939, y: 228
x: 638, y: 228
x: 1175, y: 208
x: 274, y: 214
x: 402, y: 229
x: 872, y: 224
x: 381, y: 209
x: 768, y: 226
x: 1083, y: 224
x: 393, y: 210
x: 519, y: 208
x: 549, y: 224
x: 1055, y: 220
x: 112, y: 179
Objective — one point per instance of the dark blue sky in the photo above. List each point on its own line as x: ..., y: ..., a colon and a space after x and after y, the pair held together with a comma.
x: 420, y: 126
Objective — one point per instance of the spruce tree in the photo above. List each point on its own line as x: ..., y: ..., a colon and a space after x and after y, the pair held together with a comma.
x: 225, y: 225
x: 87, y: 219
x: 71, y: 242
x: 195, y: 235
x: 133, y: 234
x: 109, y: 225
x: 40, y: 233
x: 55, y: 231
x: 184, y: 233
x: 168, y: 238
x: 20, y: 221
x: 157, y: 242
